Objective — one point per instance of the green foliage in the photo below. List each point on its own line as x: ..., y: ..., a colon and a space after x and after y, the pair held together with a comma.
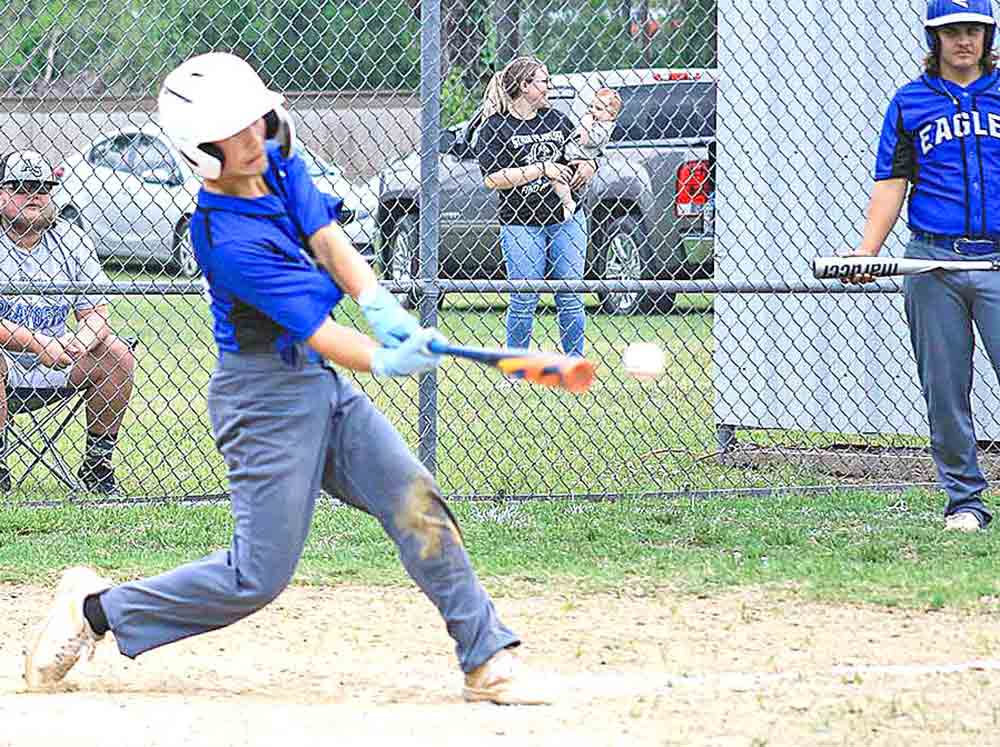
x: 592, y: 37
x: 458, y: 103
x: 305, y: 45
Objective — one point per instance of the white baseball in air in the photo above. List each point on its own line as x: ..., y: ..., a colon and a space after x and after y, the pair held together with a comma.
x: 644, y: 360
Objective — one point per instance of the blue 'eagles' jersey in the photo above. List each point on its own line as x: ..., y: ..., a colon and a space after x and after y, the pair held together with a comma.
x: 945, y: 139
x: 267, y: 294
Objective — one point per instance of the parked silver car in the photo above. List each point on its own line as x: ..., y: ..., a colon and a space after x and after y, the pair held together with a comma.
x: 650, y: 206
x: 134, y: 194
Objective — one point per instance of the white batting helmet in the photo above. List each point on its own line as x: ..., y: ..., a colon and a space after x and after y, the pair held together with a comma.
x: 213, y: 96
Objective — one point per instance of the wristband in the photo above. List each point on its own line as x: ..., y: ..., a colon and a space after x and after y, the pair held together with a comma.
x: 367, y: 296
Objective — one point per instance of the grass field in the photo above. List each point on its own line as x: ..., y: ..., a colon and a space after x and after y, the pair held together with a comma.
x: 847, y: 547
x: 493, y: 438
x: 500, y: 439
x: 800, y: 618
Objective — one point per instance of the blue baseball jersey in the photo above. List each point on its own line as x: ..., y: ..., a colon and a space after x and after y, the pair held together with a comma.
x: 267, y: 293
x: 945, y: 139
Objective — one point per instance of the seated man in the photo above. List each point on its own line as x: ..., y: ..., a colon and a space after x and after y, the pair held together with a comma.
x: 38, y: 351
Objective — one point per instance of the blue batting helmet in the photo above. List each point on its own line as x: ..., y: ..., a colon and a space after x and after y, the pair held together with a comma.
x: 944, y: 12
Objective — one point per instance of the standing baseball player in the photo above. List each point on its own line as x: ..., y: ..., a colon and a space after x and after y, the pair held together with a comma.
x: 941, y: 144
x: 276, y: 263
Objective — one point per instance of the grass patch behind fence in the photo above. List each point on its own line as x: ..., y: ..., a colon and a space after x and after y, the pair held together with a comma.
x: 493, y: 438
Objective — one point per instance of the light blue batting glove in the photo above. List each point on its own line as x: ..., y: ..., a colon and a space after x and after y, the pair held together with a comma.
x: 390, y: 322
x: 413, y: 356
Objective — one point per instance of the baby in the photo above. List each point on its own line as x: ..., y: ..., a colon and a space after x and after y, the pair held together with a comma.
x: 588, y: 140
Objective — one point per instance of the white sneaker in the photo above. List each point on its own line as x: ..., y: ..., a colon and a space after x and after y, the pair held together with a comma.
x: 963, y: 521
x: 502, y: 680
x: 65, y: 635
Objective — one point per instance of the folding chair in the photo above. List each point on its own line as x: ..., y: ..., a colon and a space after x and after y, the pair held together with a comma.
x: 44, y: 406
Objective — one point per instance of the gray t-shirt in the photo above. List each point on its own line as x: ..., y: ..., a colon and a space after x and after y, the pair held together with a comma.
x: 64, y: 254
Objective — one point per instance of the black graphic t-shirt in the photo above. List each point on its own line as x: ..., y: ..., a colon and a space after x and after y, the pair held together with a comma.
x: 504, y: 142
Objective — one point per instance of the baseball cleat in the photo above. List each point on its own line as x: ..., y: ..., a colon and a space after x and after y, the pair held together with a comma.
x: 65, y: 635
x: 502, y: 680
x: 963, y: 521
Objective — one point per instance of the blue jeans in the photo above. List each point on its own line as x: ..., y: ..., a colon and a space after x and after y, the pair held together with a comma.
x: 555, y: 252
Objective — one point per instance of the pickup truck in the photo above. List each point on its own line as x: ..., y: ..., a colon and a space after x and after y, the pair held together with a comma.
x: 650, y: 206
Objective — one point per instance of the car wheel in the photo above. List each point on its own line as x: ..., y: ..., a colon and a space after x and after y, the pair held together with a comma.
x: 184, y: 259
x: 401, y: 258
x: 624, y: 253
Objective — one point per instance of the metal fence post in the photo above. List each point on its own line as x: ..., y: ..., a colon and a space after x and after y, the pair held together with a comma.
x: 430, y: 209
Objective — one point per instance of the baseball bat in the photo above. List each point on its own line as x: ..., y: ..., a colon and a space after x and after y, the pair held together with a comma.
x: 884, y: 267
x: 546, y: 369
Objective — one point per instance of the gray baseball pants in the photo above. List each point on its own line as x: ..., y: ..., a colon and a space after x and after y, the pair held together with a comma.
x: 941, y: 308
x: 284, y: 433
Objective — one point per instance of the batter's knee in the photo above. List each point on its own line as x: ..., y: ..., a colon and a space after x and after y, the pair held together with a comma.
x: 258, y: 590
x: 423, y: 515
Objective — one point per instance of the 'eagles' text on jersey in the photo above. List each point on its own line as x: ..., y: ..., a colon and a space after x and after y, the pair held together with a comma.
x: 945, y: 139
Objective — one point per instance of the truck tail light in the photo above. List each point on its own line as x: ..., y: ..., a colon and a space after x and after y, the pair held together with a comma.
x: 694, y: 187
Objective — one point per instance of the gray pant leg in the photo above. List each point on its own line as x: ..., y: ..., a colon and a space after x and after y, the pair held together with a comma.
x: 272, y: 428
x: 939, y: 309
x: 986, y: 313
x: 370, y: 466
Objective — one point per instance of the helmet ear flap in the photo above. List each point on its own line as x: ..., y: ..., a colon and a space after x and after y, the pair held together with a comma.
x: 214, y: 151
x: 212, y: 166
x: 205, y: 159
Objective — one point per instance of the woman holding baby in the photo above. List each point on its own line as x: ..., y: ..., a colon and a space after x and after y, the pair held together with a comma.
x: 524, y: 150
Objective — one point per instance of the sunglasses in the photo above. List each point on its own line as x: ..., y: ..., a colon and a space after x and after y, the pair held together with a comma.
x: 29, y: 188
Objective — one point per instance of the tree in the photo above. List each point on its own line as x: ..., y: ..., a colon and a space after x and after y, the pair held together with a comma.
x: 463, y: 37
x: 508, y: 23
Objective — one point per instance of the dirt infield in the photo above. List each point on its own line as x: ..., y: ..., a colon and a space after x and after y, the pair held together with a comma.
x: 351, y: 665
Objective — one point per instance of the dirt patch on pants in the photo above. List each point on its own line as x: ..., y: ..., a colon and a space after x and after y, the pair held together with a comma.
x: 350, y: 665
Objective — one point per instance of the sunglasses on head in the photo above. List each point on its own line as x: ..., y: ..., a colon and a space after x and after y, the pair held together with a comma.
x: 29, y: 188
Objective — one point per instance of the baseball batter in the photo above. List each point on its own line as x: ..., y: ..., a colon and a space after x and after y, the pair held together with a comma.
x: 941, y: 144
x: 276, y: 263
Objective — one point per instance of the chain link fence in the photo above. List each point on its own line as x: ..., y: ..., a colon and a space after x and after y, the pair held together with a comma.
x: 740, y: 142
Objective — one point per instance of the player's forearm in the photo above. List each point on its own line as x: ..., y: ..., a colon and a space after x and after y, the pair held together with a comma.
x: 343, y: 346
x: 514, y: 177
x: 883, y: 211
x: 334, y: 250
x: 19, y: 339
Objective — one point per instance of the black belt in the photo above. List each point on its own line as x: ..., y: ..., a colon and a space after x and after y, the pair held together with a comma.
x: 965, y: 245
